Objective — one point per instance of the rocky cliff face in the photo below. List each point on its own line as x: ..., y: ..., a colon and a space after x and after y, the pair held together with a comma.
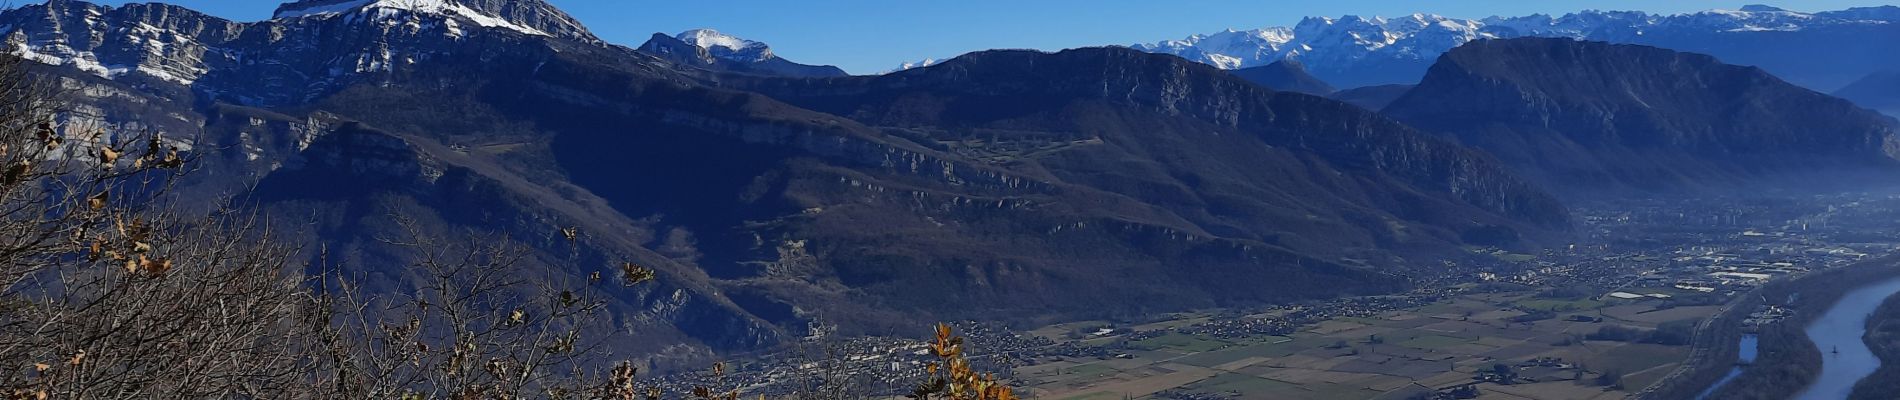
x: 1592, y: 116
x: 536, y: 14
x: 168, y: 43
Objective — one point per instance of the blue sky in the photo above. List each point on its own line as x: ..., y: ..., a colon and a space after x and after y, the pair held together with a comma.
x: 870, y: 36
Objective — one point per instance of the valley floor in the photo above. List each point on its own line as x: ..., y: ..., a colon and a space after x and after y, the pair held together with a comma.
x: 1439, y: 346
x: 1607, y: 318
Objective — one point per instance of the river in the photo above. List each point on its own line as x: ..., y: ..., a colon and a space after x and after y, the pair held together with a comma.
x: 1845, y: 358
x: 1750, y: 346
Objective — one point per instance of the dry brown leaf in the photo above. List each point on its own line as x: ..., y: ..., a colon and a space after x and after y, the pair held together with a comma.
x: 172, y: 159
x: 155, y: 266
x: 636, y: 274
x: 98, y: 202
x: 48, y: 136
x: 17, y: 173
x: 135, y: 230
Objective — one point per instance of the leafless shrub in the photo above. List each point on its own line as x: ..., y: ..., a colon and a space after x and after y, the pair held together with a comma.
x: 829, y: 373
x: 475, y: 327
x: 108, y: 294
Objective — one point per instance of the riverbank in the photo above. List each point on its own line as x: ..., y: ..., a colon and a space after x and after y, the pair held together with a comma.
x: 1840, y: 333
x: 1787, y: 360
x: 1883, y: 336
x: 1714, y: 352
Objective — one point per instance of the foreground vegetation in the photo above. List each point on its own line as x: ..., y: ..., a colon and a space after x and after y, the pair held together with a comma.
x: 107, y: 290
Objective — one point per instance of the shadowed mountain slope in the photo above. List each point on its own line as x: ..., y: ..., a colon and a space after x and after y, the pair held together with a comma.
x: 1286, y: 76
x: 1590, y: 116
x: 1879, y: 91
x: 1371, y: 97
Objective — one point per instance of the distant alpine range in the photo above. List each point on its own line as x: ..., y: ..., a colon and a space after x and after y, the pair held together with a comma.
x: 1824, y: 50
x: 780, y: 200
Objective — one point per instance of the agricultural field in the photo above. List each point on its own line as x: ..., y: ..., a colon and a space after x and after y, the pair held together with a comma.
x: 1394, y: 355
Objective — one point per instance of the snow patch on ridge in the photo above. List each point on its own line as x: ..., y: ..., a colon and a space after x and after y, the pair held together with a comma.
x: 322, y: 9
x: 918, y: 64
x: 710, y: 38
x: 88, y: 62
x: 727, y: 46
x: 384, y: 9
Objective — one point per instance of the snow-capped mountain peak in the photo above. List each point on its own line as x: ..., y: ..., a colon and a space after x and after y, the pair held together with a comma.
x: 1324, y: 39
x: 917, y: 64
x: 727, y: 46
x: 710, y: 49
x: 327, y: 8
x: 533, y: 17
x: 1357, y: 50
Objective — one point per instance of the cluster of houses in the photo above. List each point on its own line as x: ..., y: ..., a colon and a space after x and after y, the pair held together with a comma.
x: 1765, y: 314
